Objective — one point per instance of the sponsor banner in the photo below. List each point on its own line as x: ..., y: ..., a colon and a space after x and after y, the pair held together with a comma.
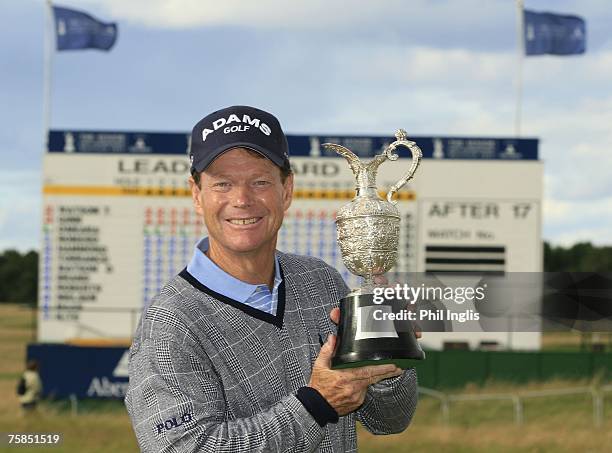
x: 110, y: 142
x: 86, y: 372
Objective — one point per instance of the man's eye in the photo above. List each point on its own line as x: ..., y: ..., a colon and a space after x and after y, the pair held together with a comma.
x: 221, y: 184
x: 262, y: 182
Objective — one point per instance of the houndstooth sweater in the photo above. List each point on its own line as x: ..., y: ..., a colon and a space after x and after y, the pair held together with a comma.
x: 209, y: 374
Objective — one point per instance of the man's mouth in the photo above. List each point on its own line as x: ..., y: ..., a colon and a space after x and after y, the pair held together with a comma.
x: 244, y: 221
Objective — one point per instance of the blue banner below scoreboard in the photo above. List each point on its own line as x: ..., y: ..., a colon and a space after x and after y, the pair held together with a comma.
x: 86, y: 372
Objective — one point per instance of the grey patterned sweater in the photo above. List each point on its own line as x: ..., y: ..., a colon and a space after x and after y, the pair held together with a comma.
x: 208, y: 374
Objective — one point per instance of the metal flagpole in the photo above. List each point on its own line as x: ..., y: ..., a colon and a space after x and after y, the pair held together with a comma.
x: 48, y: 40
x: 520, y: 22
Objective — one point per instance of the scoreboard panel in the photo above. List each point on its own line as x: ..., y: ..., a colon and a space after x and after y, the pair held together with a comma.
x: 118, y: 220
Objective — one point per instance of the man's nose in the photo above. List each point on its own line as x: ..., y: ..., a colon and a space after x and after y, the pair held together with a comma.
x: 242, y: 196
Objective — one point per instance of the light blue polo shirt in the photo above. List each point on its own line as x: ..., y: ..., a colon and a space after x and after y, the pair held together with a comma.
x: 215, y: 278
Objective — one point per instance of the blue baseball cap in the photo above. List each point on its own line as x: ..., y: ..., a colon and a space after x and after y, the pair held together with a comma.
x: 238, y: 126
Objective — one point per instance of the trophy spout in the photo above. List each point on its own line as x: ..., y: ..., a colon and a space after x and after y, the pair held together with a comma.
x: 365, y: 174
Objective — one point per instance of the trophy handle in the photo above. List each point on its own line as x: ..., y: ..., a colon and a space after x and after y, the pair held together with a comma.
x: 417, y: 154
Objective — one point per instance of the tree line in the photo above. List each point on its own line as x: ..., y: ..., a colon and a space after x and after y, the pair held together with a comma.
x: 19, y: 272
x: 580, y: 257
x: 19, y: 277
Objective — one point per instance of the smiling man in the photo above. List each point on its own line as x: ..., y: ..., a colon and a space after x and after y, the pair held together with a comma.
x: 234, y: 353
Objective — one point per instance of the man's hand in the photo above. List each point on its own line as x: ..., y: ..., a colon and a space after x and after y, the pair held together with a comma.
x: 345, y: 390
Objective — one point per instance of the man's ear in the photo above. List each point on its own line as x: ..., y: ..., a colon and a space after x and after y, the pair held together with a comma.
x: 288, y: 191
x: 195, y: 196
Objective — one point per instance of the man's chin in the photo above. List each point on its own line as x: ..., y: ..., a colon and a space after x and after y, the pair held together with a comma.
x: 247, y: 247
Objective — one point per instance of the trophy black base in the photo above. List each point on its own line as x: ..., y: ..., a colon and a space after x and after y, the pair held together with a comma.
x: 355, y: 347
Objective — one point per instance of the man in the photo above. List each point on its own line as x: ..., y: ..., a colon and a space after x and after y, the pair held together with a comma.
x: 31, y: 387
x: 234, y: 353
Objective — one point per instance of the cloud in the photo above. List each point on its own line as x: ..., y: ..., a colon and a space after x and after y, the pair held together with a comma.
x: 598, y: 235
x: 427, y: 65
x: 584, y: 173
x: 576, y: 147
x: 446, y: 23
x: 417, y: 21
x: 578, y: 221
x: 263, y: 13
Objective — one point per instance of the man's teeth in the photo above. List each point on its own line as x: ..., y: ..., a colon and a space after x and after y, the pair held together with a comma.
x: 243, y: 221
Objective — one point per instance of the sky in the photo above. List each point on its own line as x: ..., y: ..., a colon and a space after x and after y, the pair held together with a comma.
x: 436, y: 67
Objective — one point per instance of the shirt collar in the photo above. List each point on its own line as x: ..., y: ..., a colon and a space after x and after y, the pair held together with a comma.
x: 215, y: 278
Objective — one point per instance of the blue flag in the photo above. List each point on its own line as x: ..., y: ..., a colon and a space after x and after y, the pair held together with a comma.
x: 554, y: 34
x: 76, y: 30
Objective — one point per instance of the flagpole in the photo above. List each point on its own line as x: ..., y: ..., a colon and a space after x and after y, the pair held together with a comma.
x: 520, y: 22
x: 47, y: 72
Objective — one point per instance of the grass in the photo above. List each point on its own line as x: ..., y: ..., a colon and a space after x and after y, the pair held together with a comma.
x: 96, y: 430
x: 100, y: 427
x: 575, y: 341
x: 15, y: 333
x: 551, y: 424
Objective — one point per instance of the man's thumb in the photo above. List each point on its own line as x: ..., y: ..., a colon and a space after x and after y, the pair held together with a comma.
x: 327, y: 351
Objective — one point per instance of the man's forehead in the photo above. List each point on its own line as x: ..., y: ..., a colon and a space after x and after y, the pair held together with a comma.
x: 241, y: 159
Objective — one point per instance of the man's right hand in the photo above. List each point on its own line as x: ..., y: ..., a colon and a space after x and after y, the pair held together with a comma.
x: 345, y: 389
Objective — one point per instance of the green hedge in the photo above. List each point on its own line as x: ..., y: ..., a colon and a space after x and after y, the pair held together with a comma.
x: 446, y: 369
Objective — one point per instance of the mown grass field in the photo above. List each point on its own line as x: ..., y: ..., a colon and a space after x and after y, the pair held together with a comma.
x: 552, y: 424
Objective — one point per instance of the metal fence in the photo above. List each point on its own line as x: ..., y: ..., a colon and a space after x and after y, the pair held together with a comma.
x: 517, y: 399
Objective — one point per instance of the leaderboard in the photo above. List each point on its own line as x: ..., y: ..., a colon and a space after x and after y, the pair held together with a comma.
x: 118, y: 220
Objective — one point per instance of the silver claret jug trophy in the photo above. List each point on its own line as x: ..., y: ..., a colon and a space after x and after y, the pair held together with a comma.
x: 368, y: 234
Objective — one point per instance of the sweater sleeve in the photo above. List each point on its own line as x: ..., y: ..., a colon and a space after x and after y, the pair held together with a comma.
x: 390, y: 404
x: 177, y: 404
